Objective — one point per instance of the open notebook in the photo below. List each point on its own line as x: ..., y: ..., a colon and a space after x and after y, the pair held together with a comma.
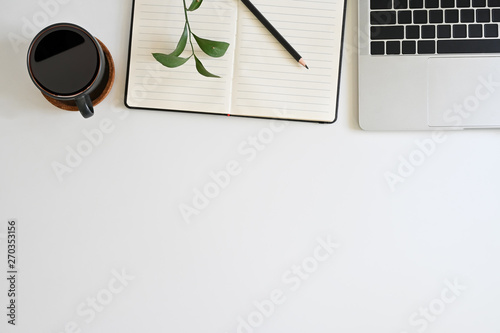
x: 259, y: 78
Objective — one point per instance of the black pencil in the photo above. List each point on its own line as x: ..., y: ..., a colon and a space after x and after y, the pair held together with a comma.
x: 274, y: 32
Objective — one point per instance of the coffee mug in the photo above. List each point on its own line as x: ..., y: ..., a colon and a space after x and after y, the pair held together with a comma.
x: 67, y: 64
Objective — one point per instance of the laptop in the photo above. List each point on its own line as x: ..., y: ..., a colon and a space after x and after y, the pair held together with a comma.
x: 429, y: 64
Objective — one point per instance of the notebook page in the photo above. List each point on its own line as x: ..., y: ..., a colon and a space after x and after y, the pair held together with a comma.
x: 157, y: 27
x: 268, y: 81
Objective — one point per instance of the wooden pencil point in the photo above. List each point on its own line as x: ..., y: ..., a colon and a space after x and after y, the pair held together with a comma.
x: 303, y: 63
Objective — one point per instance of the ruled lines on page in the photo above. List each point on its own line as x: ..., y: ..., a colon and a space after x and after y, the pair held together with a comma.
x: 157, y: 27
x: 268, y: 81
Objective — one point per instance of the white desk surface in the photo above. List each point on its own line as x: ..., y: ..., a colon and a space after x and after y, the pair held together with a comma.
x: 106, y: 249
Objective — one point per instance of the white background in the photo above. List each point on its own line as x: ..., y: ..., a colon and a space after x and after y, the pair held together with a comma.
x: 118, y: 212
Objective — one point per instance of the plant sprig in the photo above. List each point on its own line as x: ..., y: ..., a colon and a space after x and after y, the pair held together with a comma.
x: 212, y: 48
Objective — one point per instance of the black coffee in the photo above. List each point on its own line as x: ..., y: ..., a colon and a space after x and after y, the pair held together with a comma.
x: 64, y: 61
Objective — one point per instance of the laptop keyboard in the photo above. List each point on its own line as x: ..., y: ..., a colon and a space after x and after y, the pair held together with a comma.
x: 409, y: 27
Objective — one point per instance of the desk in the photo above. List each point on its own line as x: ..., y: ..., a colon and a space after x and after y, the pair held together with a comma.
x: 291, y: 227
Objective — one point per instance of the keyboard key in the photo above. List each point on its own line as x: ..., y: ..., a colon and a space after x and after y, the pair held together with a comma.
x: 380, y: 4
x: 401, y: 4
x: 436, y: 16
x: 416, y: 3
x: 388, y: 32
x: 393, y: 47
x: 467, y: 15
x: 459, y: 31
x: 494, y: 3
x: 412, y: 32
x: 478, y: 3
x: 482, y: 15
x: 383, y: 17
x: 419, y: 16
x: 468, y: 46
x: 495, y: 15
x: 451, y: 16
x: 491, y: 30
x: 463, y: 3
x: 404, y: 17
x: 428, y: 31
x: 426, y: 47
x: 475, y: 30
x: 409, y: 47
x: 431, y: 3
x: 444, y: 31
x: 447, y: 3
x: 377, y: 48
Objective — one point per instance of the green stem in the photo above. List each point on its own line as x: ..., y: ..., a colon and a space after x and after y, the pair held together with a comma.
x: 189, y: 27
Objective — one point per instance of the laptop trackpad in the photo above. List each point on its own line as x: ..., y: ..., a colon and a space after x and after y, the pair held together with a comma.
x: 463, y: 92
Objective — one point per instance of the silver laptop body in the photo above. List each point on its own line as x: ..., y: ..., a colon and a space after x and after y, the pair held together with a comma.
x: 429, y: 64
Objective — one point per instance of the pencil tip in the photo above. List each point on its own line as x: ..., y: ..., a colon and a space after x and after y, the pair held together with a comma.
x: 307, y: 67
x: 303, y: 63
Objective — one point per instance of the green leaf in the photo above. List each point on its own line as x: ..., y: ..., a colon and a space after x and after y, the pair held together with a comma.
x: 212, y: 48
x: 169, y: 60
x: 182, y: 42
x: 202, y: 70
x: 195, y: 5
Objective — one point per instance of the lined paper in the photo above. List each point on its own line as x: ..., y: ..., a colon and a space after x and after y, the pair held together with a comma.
x: 259, y: 77
x: 268, y: 81
x: 157, y: 27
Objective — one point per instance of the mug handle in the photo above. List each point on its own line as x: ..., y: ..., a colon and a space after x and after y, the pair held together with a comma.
x: 84, y: 104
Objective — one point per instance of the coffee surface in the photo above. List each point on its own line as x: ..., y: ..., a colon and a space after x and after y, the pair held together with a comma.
x: 65, y: 61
